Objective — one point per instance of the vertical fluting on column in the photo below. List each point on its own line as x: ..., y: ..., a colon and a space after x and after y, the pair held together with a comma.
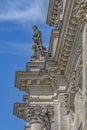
x: 63, y: 114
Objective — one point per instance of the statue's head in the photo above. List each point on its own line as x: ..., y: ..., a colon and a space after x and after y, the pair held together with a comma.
x: 35, y: 27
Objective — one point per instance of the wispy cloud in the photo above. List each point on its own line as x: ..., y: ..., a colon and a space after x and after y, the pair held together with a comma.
x: 17, y: 48
x: 23, y: 10
x: 14, y: 48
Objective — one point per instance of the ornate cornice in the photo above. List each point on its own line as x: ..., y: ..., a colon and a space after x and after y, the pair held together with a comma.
x: 54, y: 12
x: 24, y: 80
x: 66, y: 41
x: 44, y: 77
x: 81, y: 11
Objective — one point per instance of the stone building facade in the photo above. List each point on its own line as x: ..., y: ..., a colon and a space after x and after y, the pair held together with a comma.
x: 56, y: 81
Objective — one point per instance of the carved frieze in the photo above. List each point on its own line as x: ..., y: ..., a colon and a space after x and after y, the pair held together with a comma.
x: 70, y: 37
x: 54, y: 13
x: 81, y: 10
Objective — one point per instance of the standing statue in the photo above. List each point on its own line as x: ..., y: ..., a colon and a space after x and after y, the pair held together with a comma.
x: 37, y: 48
x: 47, y: 124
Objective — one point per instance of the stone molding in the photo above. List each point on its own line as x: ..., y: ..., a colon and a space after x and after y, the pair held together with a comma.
x: 66, y: 47
x: 54, y: 12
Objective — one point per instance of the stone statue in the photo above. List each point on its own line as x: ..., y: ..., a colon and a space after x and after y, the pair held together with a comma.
x: 47, y: 124
x: 37, y: 48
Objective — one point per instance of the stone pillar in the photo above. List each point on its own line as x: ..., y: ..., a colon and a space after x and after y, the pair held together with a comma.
x: 84, y: 75
x: 63, y: 114
x: 55, y: 115
x: 36, y: 124
x: 62, y: 118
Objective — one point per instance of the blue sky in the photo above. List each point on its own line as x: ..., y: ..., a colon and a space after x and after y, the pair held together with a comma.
x: 16, y: 20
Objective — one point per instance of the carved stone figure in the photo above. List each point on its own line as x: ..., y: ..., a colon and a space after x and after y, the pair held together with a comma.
x: 47, y: 124
x: 37, y: 48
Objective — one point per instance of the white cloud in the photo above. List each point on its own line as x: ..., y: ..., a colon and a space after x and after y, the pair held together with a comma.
x: 24, y: 10
x: 14, y: 48
x: 17, y: 48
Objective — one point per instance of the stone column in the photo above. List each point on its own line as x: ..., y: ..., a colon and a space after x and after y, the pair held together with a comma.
x: 55, y: 115
x: 63, y: 114
x: 36, y: 124
x: 60, y: 111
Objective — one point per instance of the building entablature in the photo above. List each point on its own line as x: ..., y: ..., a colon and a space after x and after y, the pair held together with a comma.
x: 24, y: 81
x: 67, y: 36
x: 65, y: 47
x: 44, y: 77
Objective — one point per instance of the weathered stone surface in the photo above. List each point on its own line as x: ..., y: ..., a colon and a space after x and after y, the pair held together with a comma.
x: 56, y: 83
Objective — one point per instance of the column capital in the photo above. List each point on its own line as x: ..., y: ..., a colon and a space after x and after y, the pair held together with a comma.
x: 29, y: 113
x: 38, y: 112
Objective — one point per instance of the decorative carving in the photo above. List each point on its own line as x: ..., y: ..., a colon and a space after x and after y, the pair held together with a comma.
x: 71, y: 93
x: 80, y: 11
x: 73, y: 88
x: 37, y: 112
x: 37, y: 48
x: 28, y: 112
x: 47, y: 124
x: 70, y: 35
x: 54, y: 16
